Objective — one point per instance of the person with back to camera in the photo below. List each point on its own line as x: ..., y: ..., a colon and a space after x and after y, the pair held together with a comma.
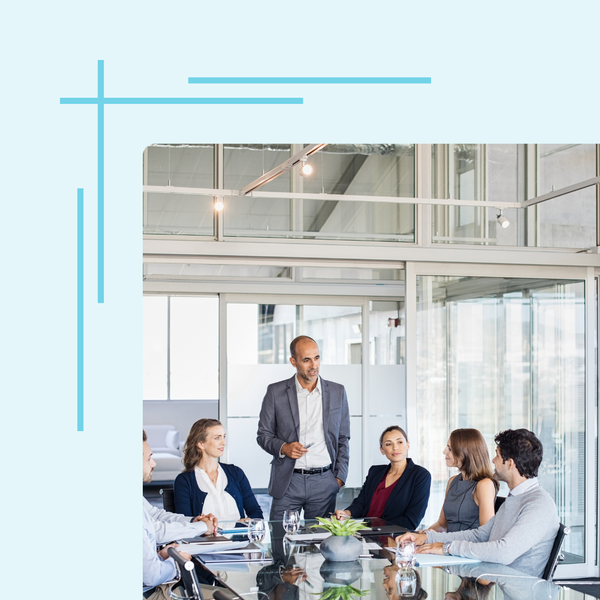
x: 522, y: 534
x: 470, y: 495
x: 209, y: 486
x: 397, y: 492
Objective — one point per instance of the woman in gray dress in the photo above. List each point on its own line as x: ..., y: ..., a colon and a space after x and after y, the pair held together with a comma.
x: 470, y: 495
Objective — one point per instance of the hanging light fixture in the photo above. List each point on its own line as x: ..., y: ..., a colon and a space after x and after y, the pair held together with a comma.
x: 218, y: 203
x: 502, y: 220
x: 305, y: 169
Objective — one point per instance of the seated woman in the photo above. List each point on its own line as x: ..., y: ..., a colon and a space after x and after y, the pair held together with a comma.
x: 470, y: 495
x: 207, y: 486
x: 397, y: 492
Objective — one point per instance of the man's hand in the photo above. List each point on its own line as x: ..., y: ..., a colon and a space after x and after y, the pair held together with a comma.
x: 418, y: 538
x: 436, y: 548
x: 164, y: 554
x: 342, y: 515
x: 340, y: 483
x: 210, y: 521
x: 293, y: 575
x: 294, y: 450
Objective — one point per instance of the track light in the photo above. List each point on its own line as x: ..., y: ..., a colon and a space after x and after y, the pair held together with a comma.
x: 305, y: 169
x: 502, y: 221
x: 218, y: 203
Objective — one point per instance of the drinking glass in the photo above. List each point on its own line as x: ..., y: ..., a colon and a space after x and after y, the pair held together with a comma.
x: 405, y: 554
x: 256, y: 530
x: 291, y: 521
x: 406, y: 583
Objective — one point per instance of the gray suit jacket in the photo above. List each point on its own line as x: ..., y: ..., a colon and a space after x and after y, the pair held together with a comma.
x: 279, y: 424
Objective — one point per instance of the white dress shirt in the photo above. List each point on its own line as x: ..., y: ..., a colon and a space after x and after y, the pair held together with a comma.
x: 218, y: 502
x: 170, y: 526
x: 523, y: 487
x: 155, y: 569
x: 310, y: 409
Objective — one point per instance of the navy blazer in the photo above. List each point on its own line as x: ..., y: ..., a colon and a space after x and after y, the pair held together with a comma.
x: 407, y: 503
x: 189, y: 498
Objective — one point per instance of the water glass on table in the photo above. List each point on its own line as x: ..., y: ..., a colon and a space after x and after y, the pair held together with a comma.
x: 256, y: 530
x: 291, y: 521
x: 405, y: 554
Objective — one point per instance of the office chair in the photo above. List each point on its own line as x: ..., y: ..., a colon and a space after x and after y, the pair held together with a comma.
x: 189, y: 579
x: 168, y: 499
x: 556, y: 555
x: 497, y: 504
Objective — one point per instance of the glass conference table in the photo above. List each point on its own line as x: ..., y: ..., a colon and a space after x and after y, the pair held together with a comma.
x: 287, y: 570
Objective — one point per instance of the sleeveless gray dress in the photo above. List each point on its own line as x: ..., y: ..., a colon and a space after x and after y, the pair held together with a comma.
x: 459, y: 507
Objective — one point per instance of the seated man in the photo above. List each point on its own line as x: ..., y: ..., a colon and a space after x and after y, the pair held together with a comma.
x: 160, y: 526
x: 522, y: 533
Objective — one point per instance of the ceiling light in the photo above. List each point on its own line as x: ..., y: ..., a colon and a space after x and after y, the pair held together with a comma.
x: 218, y: 203
x: 305, y: 169
x: 502, y: 221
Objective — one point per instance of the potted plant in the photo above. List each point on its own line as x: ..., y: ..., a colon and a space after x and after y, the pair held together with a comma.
x: 341, y: 546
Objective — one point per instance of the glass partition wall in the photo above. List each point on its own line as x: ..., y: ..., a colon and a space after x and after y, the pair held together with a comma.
x: 504, y: 353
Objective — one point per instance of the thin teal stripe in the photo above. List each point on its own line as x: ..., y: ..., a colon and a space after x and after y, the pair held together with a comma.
x: 79, y: 309
x: 183, y: 101
x: 326, y: 80
x: 100, y: 182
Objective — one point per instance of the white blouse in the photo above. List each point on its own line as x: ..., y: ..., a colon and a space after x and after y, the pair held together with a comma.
x: 218, y: 502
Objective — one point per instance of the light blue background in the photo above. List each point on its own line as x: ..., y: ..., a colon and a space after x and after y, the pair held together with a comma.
x: 509, y: 72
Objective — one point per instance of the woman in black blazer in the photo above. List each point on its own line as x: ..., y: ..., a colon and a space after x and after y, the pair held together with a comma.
x: 397, y: 492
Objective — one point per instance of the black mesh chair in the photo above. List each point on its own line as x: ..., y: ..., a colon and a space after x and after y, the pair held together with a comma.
x: 168, y: 499
x: 189, y: 579
x: 556, y: 555
x: 498, y: 503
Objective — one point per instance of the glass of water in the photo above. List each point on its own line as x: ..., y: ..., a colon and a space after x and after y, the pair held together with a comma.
x: 406, y: 583
x: 291, y: 521
x: 256, y: 530
x: 405, y: 554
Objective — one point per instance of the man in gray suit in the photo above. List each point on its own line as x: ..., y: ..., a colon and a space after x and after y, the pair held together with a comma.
x: 305, y: 425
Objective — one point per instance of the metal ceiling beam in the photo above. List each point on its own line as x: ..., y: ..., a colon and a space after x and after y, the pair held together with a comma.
x: 282, y: 168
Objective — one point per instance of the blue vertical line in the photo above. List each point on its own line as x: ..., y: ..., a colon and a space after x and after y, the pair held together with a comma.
x: 79, y: 309
x: 100, y: 182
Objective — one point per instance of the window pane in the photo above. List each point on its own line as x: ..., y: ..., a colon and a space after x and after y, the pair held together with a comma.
x: 498, y: 354
x: 567, y: 221
x: 194, y: 346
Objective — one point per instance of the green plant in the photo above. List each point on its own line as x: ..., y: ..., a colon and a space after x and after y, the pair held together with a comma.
x: 344, y: 592
x: 344, y: 528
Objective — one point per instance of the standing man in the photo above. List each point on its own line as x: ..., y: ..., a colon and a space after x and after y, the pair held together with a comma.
x: 305, y: 425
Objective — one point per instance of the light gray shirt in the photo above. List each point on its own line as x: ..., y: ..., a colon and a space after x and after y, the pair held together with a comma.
x: 171, y: 526
x: 521, y: 535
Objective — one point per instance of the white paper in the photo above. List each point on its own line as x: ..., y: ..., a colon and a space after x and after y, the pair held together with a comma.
x: 219, y: 547
x: 438, y: 560
x: 304, y: 537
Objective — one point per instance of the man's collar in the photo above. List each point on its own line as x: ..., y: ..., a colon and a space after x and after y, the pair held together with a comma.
x: 300, y: 389
x: 523, y: 487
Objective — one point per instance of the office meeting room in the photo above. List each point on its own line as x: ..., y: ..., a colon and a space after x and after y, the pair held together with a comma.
x: 370, y: 370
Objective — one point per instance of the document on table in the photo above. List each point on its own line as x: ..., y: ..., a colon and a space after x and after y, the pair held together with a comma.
x: 210, y: 548
x: 438, y: 560
x: 306, y: 537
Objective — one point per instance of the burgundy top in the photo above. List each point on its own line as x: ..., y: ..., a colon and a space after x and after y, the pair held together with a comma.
x: 380, y: 497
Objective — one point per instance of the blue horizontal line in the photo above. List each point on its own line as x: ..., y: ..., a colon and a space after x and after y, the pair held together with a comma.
x: 309, y: 79
x: 182, y: 101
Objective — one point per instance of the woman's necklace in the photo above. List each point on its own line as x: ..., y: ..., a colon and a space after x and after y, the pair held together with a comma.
x: 214, y: 479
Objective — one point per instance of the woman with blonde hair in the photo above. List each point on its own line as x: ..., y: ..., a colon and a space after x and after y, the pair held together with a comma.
x: 208, y: 486
x: 470, y: 495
